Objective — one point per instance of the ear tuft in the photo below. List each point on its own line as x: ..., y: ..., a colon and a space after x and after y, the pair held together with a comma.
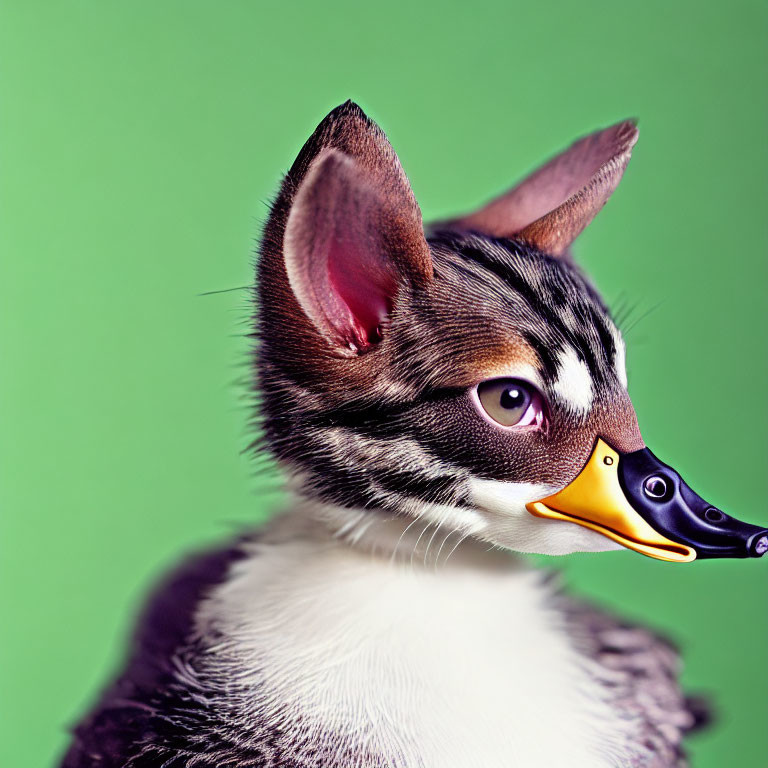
x: 552, y: 206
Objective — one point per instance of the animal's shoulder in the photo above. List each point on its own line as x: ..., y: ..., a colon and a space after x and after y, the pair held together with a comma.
x: 640, y: 669
x: 139, y: 708
x: 159, y: 712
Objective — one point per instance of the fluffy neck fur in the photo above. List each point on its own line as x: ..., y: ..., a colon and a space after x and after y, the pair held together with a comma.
x: 356, y: 647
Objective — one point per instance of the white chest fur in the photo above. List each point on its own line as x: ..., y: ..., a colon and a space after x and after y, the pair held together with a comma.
x: 449, y: 668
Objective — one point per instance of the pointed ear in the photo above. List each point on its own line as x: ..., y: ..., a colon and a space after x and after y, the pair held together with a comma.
x: 347, y: 248
x: 352, y: 232
x: 551, y: 207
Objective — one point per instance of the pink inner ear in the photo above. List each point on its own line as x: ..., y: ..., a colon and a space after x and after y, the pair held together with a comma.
x: 366, y: 288
x: 341, y: 239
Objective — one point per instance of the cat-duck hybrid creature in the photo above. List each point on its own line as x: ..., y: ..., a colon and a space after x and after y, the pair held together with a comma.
x: 437, y: 398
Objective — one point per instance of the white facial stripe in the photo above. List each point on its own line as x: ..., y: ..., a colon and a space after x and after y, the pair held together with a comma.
x: 574, y: 383
x: 620, y: 359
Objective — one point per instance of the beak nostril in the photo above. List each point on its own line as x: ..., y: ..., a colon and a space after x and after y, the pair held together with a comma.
x: 714, y: 515
x: 655, y: 487
x: 760, y: 547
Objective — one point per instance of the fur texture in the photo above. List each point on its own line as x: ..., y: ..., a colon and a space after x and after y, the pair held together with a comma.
x: 377, y: 623
x: 309, y: 654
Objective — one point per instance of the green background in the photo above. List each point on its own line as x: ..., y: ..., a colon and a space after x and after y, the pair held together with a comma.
x: 139, y: 143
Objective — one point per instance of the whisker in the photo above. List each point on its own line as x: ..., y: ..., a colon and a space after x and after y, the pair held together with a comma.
x: 455, y: 546
x: 349, y: 526
x: 399, y: 541
x: 431, y: 539
x: 357, y: 534
x: 445, y: 538
x: 418, y: 540
x: 228, y: 290
x: 624, y: 309
x: 643, y: 316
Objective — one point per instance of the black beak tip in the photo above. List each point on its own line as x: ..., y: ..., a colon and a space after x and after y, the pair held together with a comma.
x: 758, y: 544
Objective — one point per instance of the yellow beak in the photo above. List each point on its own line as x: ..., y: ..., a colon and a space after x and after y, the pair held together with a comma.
x: 596, y: 500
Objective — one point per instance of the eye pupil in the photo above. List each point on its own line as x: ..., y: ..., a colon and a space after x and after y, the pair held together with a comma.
x: 511, y: 398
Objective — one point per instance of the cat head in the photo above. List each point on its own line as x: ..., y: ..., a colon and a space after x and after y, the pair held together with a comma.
x: 466, y: 373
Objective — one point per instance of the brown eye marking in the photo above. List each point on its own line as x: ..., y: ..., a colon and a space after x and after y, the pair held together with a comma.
x: 510, y: 403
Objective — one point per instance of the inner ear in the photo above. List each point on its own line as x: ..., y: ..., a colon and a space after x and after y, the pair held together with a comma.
x: 346, y: 251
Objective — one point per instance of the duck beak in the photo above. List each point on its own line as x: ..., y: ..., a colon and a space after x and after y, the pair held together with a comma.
x: 636, y: 500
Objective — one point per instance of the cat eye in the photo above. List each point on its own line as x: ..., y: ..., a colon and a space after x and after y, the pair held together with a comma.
x: 510, y: 402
